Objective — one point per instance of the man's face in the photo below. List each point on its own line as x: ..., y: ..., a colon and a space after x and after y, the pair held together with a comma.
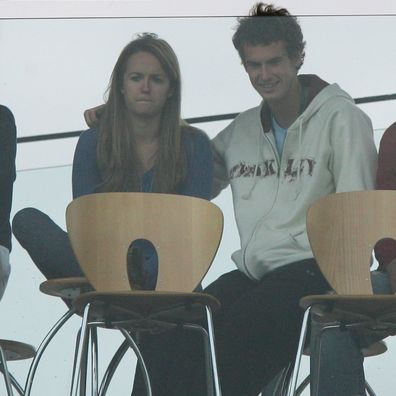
x: 271, y: 71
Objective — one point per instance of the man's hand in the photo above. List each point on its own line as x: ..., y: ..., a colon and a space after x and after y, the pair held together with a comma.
x: 391, y: 270
x: 92, y: 116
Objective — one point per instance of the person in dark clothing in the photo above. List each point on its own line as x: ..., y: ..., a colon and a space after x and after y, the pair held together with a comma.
x: 7, y: 177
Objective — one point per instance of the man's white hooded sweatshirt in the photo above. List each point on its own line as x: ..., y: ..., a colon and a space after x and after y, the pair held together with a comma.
x: 329, y: 148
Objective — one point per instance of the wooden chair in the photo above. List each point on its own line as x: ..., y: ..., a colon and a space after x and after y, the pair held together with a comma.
x: 343, y: 229
x: 13, y: 350
x: 185, y: 233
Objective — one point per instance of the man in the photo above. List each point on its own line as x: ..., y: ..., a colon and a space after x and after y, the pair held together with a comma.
x: 307, y: 139
x: 7, y: 177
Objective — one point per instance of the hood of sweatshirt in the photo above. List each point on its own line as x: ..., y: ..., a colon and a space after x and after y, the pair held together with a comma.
x: 316, y: 92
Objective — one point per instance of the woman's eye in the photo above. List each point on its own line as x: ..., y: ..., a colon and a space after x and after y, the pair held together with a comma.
x: 158, y: 79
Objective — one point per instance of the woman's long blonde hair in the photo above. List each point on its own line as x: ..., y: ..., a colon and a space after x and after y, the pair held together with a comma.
x: 117, y: 160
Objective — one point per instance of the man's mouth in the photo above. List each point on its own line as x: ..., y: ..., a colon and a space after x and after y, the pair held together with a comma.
x: 268, y: 86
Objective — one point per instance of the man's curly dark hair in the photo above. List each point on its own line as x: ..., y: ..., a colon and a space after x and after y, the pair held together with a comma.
x: 267, y: 24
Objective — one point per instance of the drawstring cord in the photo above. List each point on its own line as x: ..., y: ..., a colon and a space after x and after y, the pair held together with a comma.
x: 299, y: 161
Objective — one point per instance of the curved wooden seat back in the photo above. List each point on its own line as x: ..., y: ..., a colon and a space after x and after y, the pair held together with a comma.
x: 185, y: 231
x: 343, y: 229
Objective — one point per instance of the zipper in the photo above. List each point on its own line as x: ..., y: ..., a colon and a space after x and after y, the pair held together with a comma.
x: 278, y: 162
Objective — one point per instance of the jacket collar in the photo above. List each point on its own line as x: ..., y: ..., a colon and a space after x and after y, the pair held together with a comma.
x: 311, y: 85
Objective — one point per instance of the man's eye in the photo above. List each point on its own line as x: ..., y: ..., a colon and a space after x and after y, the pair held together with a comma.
x: 275, y: 62
x: 253, y: 65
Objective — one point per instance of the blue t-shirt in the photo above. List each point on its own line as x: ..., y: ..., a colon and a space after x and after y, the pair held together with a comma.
x: 280, y: 136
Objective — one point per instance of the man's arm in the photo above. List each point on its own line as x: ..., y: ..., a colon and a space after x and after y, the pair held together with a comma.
x: 220, y: 173
x: 354, y: 159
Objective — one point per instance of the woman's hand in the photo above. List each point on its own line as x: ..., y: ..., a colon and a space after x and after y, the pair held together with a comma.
x: 92, y: 116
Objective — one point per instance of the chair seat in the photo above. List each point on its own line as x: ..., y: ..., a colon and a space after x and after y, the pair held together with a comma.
x: 349, y: 308
x: 146, y: 308
x: 375, y: 349
x: 14, y: 350
x: 67, y: 288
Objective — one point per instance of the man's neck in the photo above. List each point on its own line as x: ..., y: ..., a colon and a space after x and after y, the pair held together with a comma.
x: 287, y: 109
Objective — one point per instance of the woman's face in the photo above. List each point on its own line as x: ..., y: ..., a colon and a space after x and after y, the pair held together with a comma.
x: 146, y: 86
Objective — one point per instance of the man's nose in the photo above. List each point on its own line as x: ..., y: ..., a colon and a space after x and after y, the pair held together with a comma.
x: 264, y: 72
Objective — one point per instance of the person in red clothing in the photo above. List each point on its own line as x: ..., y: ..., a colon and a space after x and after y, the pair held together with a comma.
x: 385, y: 250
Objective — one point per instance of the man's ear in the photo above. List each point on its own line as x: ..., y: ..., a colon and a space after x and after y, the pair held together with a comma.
x: 297, y: 61
x: 243, y: 63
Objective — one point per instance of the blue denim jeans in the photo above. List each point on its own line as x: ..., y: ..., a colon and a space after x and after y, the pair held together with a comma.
x: 339, y: 368
x: 47, y: 244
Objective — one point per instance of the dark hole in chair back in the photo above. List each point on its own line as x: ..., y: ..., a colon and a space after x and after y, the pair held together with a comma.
x: 142, y: 265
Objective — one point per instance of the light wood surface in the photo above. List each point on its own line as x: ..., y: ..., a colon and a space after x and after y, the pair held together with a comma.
x: 185, y: 231
x: 343, y: 229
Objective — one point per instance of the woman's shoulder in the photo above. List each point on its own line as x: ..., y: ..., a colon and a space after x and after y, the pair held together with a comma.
x: 194, y: 136
x: 87, y: 140
x: 89, y: 135
x: 86, y: 145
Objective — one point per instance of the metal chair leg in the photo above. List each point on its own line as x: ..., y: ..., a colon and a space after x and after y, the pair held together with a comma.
x: 301, y: 343
x: 135, y: 348
x: 208, y: 360
x: 213, y: 351
x: 303, y: 385
x: 6, y: 375
x: 369, y: 389
x: 14, y: 382
x: 47, y: 339
x: 283, y: 381
x: 84, y: 364
x: 80, y: 352
x: 111, y: 368
x: 94, y: 360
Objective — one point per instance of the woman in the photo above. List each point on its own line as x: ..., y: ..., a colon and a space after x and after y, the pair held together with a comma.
x: 140, y: 145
